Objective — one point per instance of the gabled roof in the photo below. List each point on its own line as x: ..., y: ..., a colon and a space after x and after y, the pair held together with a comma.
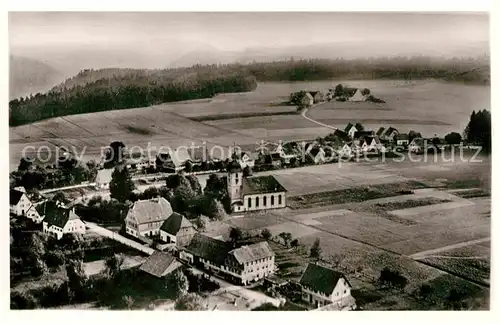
x: 349, y: 92
x: 363, y: 134
x: 402, y: 137
x: 319, y: 278
x: 369, y: 139
x: 15, y: 196
x: 174, y: 223
x: 59, y: 217
x: 380, y: 131
x: 390, y: 130
x: 348, y: 127
x: 209, y: 248
x: 104, y: 176
x: 146, y: 211
x: 252, y: 252
x: 308, y: 95
x: 234, y: 166
x: 46, y: 207
x: 158, y: 262
x: 260, y: 185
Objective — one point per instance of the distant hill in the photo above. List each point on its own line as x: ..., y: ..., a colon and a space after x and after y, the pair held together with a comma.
x: 29, y: 76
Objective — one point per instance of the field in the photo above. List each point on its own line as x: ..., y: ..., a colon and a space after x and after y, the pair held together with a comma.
x: 262, y: 116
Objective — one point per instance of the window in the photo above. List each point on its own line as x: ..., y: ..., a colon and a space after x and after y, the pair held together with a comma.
x: 249, y: 202
x: 256, y: 201
x: 264, y: 201
x: 272, y: 200
x: 345, y: 291
x: 279, y: 200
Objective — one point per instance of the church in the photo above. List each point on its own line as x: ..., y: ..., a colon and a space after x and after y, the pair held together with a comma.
x: 253, y: 193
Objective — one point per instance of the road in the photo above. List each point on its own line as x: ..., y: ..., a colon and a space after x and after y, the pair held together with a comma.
x: 254, y: 298
x: 119, y: 238
x: 423, y: 254
x: 315, y: 121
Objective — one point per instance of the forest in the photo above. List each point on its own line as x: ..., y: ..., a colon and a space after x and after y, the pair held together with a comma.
x: 108, y: 89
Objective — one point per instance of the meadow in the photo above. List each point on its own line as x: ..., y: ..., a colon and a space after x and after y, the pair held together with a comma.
x: 430, y: 107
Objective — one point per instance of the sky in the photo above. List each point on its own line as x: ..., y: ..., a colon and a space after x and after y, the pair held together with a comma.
x: 238, y: 31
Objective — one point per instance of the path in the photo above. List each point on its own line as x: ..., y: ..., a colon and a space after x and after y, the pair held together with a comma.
x: 315, y: 121
x: 423, y: 254
x: 117, y: 237
x: 254, y: 298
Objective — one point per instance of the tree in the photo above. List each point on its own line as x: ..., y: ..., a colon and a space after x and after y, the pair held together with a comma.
x: 392, y: 278
x: 121, y: 185
x: 453, y: 138
x: 339, y: 90
x: 76, y: 278
x: 247, y: 171
x: 294, y: 243
x: 359, y: 127
x: 24, y: 165
x: 61, y: 197
x: 315, y: 251
x: 114, y: 264
x: 235, y: 234
x: 195, y: 184
x: 266, y: 234
x: 149, y: 193
x: 128, y: 301
x: 177, y: 283
x: 188, y: 166
x: 190, y: 302
x: 200, y: 223
x: 286, y: 237
x: 412, y: 135
x: 478, y: 130
x: 114, y: 155
x: 365, y: 91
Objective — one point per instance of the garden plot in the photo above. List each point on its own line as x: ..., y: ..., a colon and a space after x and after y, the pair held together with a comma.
x: 297, y: 230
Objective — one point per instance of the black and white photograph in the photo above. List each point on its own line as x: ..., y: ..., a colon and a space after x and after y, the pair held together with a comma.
x: 249, y: 161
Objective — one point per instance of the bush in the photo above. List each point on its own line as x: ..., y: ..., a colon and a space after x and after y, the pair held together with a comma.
x: 392, y: 278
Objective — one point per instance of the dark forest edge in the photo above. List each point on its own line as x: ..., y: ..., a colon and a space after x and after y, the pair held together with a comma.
x: 113, y: 88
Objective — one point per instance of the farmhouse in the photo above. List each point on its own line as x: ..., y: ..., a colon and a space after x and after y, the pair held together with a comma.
x: 416, y: 145
x: 344, y: 151
x: 353, y: 94
x: 103, y: 179
x: 177, y: 229
x: 388, y: 134
x: 141, y: 163
x: 371, y: 143
x: 146, y: 217
x: 240, y: 265
x: 160, y: 264
x: 20, y: 204
x: 321, y: 286
x: 60, y: 220
x: 360, y: 136
x: 317, y: 96
x: 246, y: 159
x: 253, y: 193
x: 307, y: 100
x: 174, y: 161
x: 402, y: 139
x: 350, y: 130
x: 286, y: 153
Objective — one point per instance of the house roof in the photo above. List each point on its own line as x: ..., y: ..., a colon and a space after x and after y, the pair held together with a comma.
x: 319, y: 278
x: 402, y: 137
x: 209, y: 248
x: 369, y: 139
x: 380, y: 131
x: 146, y: 211
x: 174, y: 223
x: 350, y: 91
x: 252, y: 252
x: 308, y: 95
x: 104, y: 176
x: 234, y: 166
x: 15, y: 196
x: 362, y: 134
x: 179, y: 157
x: 348, y: 127
x: 46, y: 207
x: 59, y: 217
x: 390, y: 130
x: 157, y: 263
x: 260, y: 185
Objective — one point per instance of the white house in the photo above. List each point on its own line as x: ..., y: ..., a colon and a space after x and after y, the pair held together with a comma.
x: 372, y: 143
x: 344, y: 151
x: 402, y: 139
x: 322, y: 286
x: 60, y: 221
x: 253, y: 193
x: 103, y: 179
x: 351, y: 130
x: 177, y: 229
x: 242, y: 265
x: 357, y: 96
x: 416, y: 145
x: 247, y: 160
x: 307, y: 100
x: 19, y: 202
x: 145, y: 217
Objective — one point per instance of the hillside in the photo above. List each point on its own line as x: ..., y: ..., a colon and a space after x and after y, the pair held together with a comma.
x: 28, y: 76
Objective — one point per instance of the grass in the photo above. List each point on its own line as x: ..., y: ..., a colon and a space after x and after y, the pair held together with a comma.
x: 353, y: 195
x: 241, y: 115
x: 473, y: 193
x: 474, y: 269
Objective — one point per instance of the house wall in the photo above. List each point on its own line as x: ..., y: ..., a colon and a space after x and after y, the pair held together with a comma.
x: 22, y: 206
x: 52, y: 230
x: 74, y: 226
x: 33, y: 214
x: 145, y: 229
x: 257, y: 269
x: 269, y: 199
x: 185, y: 235
x: 341, y: 290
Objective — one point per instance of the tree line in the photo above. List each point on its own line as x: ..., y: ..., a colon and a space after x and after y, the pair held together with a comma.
x: 108, y: 89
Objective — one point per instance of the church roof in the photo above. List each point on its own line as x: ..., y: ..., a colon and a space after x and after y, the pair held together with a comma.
x: 234, y: 166
x: 261, y: 185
